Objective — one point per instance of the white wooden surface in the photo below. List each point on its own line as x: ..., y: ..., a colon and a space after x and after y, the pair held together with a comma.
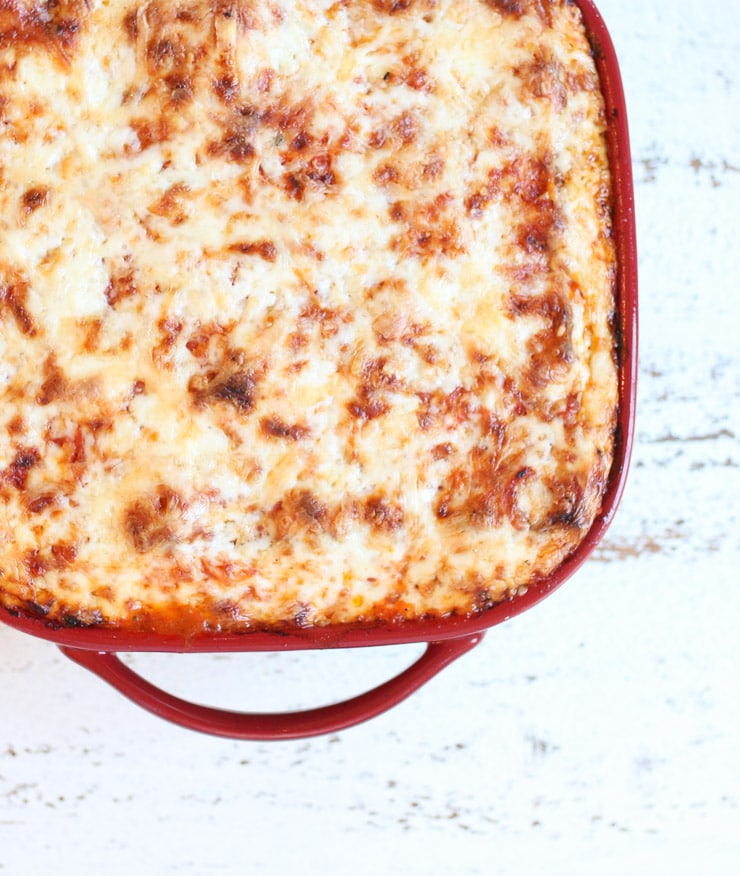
x: 598, y: 733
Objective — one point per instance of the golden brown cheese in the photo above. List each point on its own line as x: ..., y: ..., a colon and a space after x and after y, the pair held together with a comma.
x: 304, y: 308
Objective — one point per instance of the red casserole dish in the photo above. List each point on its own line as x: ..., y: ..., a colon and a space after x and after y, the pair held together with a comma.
x: 446, y: 638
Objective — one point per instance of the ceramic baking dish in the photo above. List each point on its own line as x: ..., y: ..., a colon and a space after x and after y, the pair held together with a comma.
x: 447, y: 638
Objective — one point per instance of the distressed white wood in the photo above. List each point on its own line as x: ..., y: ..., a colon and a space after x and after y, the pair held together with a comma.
x: 596, y: 734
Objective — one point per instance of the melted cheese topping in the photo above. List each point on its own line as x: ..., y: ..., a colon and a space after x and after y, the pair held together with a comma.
x: 304, y: 308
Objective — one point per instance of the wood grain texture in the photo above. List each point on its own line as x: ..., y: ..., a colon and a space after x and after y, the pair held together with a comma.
x: 597, y: 733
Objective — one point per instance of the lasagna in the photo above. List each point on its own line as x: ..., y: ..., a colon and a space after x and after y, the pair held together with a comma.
x: 306, y: 308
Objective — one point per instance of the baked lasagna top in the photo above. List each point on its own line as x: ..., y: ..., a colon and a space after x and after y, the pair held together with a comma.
x: 305, y: 308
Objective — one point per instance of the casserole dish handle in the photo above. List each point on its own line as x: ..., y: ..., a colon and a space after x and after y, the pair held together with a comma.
x: 279, y: 725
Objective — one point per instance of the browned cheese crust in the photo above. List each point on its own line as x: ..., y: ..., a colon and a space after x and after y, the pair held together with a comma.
x: 305, y: 308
